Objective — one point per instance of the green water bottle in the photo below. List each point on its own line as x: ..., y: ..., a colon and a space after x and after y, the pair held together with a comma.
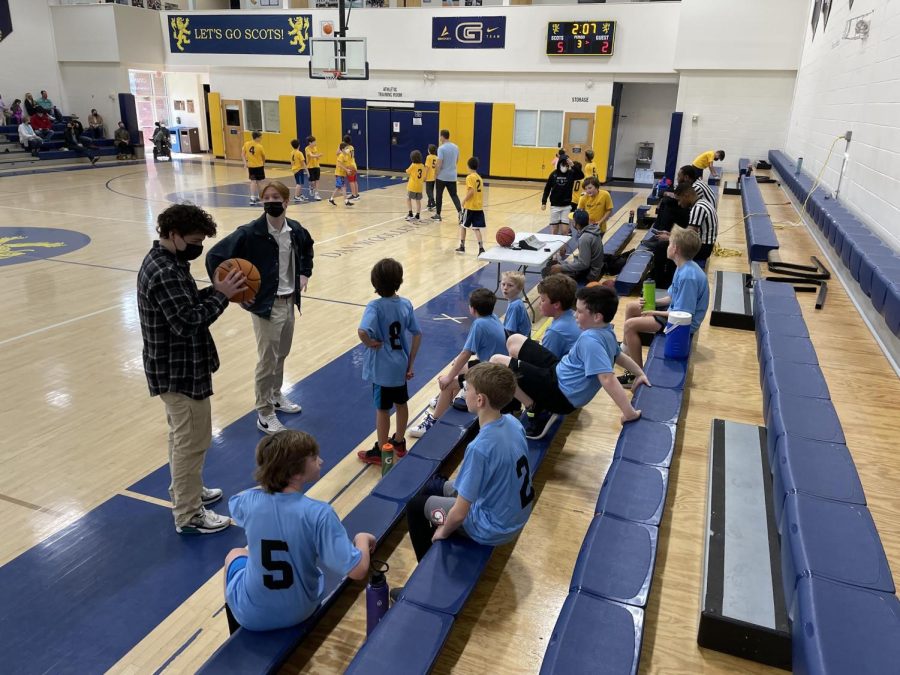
x: 387, y: 458
x: 649, y: 295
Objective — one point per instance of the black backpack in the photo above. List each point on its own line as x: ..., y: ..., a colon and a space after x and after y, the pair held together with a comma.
x: 613, y: 263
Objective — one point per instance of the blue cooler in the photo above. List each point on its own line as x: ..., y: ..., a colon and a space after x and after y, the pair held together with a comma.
x: 678, y: 335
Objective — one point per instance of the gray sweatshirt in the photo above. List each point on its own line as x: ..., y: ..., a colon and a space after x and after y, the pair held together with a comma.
x: 590, y: 255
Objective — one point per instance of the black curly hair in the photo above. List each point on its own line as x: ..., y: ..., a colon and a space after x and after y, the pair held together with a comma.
x: 185, y: 219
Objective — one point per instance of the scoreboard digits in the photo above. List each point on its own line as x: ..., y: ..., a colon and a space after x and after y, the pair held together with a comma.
x: 588, y: 38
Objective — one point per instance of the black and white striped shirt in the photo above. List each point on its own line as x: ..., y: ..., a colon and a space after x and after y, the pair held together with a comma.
x: 703, y: 215
x: 705, y: 191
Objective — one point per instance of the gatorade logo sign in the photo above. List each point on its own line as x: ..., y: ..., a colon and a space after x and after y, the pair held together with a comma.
x: 478, y: 32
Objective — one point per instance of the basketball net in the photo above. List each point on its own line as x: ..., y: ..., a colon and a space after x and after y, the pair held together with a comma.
x: 331, y: 78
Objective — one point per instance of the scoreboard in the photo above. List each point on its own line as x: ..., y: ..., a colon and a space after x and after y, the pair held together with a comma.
x: 581, y: 38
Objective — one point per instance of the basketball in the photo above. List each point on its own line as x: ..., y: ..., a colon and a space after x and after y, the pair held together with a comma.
x: 245, y: 266
x: 506, y: 236
x: 594, y: 283
x: 328, y: 29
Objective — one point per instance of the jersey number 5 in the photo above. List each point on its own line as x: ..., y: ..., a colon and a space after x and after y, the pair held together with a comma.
x: 526, y: 492
x: 283, y: 567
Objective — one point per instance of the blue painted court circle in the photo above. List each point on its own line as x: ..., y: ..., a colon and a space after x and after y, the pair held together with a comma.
x: 27, y: 244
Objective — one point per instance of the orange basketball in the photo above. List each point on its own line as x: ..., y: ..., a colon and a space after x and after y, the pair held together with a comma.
x: 328, y: 29
x: 594, y: 283
x: 249, y: 270
x: 506, y: 236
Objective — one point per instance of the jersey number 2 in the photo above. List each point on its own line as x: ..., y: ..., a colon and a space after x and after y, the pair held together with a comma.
x: 526, y: 492
x: 283, y: 567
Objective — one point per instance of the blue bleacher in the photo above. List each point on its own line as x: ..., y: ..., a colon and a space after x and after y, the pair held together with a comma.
x: 647, y: 442
x: 634, y: 491
x: 615, y: 243
x: 760, y: 233
x: 636, y: 267
x: 744, y: 168
x: 873, y: 264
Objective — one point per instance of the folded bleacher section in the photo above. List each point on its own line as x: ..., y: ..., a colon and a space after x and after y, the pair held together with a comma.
x: 837, y: 583
x: 758, y: 228
x: 600, y: 626
x: 869, y: 260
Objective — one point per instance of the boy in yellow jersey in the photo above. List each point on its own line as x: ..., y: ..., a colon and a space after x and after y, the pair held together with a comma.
x: 314, y: 170
x: 590, y: 169
x: 254, y: 156
x: 472, y: 216
x: 298, y: 168
x: 430, y: 165
x: 414, y: 185
x: 598, y: 203
x: 577, y: 181
x: 705, y: 161
x: 341, y: 165
x: 352, y: 171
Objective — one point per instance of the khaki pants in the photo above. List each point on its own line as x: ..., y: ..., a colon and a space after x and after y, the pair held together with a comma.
x: 273, y: 343
x: 190, y: 433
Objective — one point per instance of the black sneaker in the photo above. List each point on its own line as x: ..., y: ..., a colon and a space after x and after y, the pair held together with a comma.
x: 346, y: 203
x: 372, y: 456
x: 434, y: 487
x: 395, y: 594
x: 399, y: 447
x: 480, y: 250
x: 626, y: 380
x: 332, y: 202
x: 539, y: 424
x: 436, y: 216
x: 461, y: 249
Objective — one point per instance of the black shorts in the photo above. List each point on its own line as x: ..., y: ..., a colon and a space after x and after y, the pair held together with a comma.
x: 257, y: 173
x: 315, y: 173
x: 473, y: 219
x: 704, y: 252
x: 535, y: 371
x: 387, y: 397
x: 462, y: 376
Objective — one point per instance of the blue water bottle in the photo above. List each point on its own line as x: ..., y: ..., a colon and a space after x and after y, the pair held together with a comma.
x: 377, y: 595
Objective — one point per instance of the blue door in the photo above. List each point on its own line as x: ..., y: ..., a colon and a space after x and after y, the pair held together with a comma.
x: 353, y: 123
x: 379, y: 137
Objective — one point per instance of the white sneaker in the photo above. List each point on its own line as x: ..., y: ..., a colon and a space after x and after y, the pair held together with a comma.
x: 210, y: 496
x: 205, y: 522
x: 269, y: 424
x: 285, y: 405
x: 424, y: 426
x: 433, y: 403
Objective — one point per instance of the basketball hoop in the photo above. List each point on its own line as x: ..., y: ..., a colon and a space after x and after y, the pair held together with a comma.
x: 331, y: 78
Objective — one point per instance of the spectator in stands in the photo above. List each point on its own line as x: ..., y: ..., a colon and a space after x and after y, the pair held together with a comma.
x: 689, y: 293
x: 123, y: 143
x: 588, y: 264
x: 28, y: 138
x: 43, y: 125
x: 79, y: 129
x: 95, y: 124
x: 30, y: 105
x: 551, y: 386
x: 47, y: 105
x: 15, y: 112
x: 705, y: 161
x: 491, y: 498
x: 304, y: 534
x: 702, y: 217
x: 75, y: 143
x: 4, y: 110
x: 669, y: 214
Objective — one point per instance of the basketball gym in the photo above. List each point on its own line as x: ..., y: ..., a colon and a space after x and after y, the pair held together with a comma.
x: 748, y: 522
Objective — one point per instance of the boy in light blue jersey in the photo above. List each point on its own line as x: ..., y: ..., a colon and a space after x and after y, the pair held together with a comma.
x: 512, y: 285
x: 689, y: 293
x: 492, y: 496
x: 557, y: 297
x: 550, y: 386
x: 486, y: 337
x: 385, y: 330
x: 276, y: 581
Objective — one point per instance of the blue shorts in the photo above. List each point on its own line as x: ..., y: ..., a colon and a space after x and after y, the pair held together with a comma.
x: 340, y: 181
x: 300, y: 177
x: 234, y: 567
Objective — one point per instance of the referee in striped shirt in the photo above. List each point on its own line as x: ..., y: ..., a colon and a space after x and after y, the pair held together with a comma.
x: 691, y: 174
x: 703, y: 218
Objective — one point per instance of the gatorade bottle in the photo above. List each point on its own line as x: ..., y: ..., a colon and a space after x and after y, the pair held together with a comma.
x: 649, y: 295
x: 387, y: 458
x: 377, y: 595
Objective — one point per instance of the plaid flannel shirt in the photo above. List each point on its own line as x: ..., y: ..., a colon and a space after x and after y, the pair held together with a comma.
x: 179, y: 353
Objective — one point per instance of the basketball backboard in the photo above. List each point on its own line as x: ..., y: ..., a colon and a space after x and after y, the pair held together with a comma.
x: 347, y: 55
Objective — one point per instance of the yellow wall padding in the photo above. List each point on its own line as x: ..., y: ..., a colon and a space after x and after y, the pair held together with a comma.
x: 215, y: 124
x: 603, y: 120
x: 502, y: 121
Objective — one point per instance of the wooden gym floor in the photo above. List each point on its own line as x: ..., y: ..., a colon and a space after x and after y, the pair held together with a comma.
x: 80, y: 428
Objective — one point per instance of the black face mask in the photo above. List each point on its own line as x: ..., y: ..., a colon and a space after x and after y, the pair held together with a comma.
x: 274, y: 209
x: 189, y: 252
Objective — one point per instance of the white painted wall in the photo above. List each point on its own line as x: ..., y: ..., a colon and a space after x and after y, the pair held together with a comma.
x: 645, y: 114
x: 95, y: 85
x: 740, y: 34
x: 184, y: 86
x: 855, y: 85
x: 744, y: 113
x: 28, y: 55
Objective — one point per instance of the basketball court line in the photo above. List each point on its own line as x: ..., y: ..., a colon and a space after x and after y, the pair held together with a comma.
x: 33, y: 507
x: 146, y: 498
x: 58, y: 325
x: 83, y: 216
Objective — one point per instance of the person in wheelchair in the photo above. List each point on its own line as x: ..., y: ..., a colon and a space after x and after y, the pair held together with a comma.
x: 162, y: 143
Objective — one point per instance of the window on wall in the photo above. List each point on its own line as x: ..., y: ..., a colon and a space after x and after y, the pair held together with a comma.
x: 541, y: 128
x: 262, y: 116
